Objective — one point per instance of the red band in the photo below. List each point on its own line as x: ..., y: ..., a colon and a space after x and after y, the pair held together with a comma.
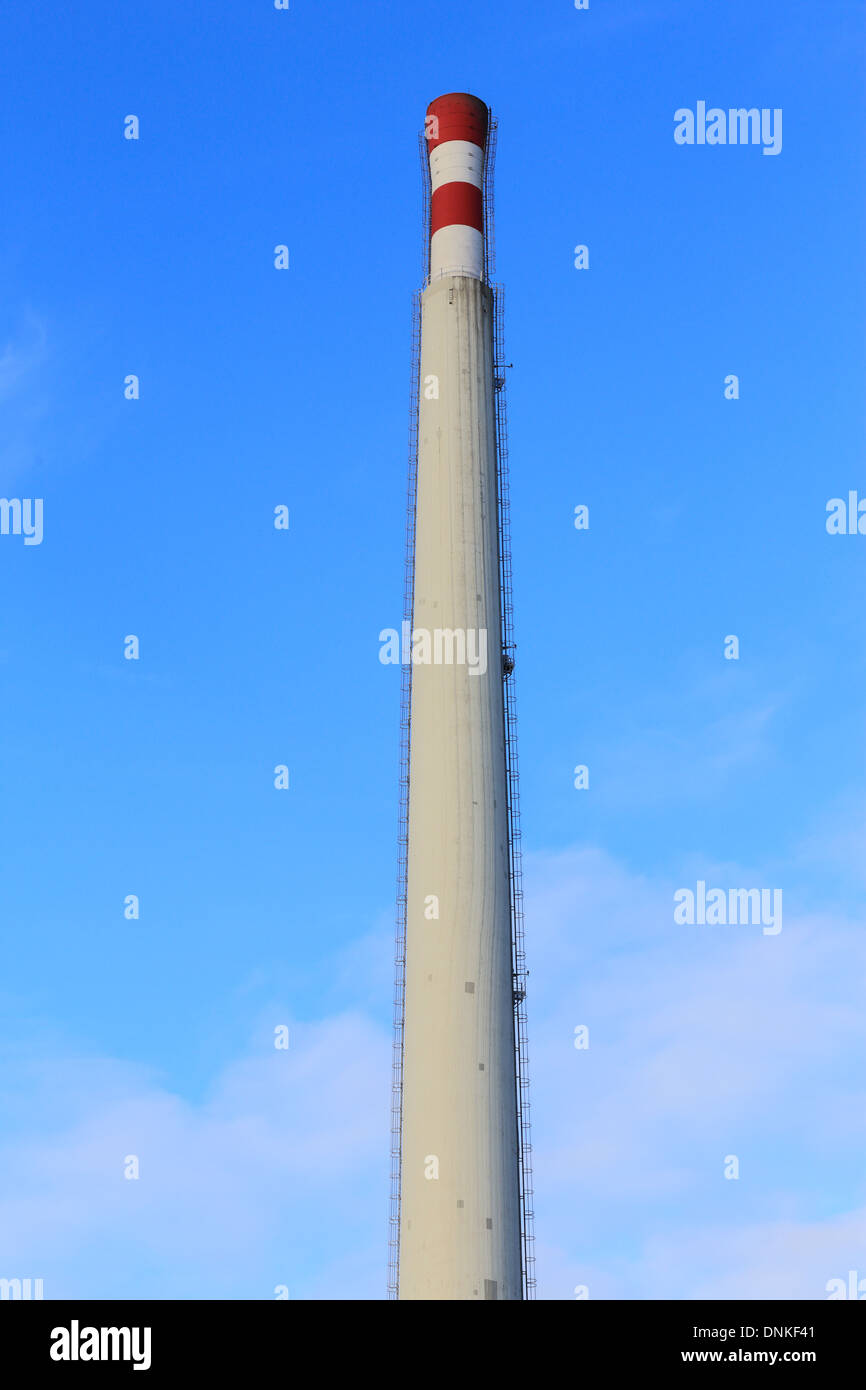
x: 456, y: 203
x: 459, y: 117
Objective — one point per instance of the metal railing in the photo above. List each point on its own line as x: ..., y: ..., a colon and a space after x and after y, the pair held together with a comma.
x: 403, y: 819
x: 406, y: 744
x: 515, y: 849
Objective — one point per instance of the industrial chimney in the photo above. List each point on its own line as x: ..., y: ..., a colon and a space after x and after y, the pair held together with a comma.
x: 461, y: 1208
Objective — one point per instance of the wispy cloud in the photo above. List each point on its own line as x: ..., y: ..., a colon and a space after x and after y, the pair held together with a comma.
x: 22, y: 394
x: 22, y: 355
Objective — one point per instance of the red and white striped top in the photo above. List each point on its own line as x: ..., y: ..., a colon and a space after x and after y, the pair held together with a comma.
x: 456, y: 133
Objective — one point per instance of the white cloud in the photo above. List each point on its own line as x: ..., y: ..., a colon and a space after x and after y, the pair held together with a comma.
x: 704, y: 1042
x: 260, y: 1178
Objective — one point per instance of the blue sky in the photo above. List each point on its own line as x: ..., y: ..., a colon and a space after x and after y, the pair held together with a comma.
x: 261, y: 387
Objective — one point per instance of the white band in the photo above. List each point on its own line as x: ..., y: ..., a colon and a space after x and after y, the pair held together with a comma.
x: 457, y: 250
x: 456, y: 161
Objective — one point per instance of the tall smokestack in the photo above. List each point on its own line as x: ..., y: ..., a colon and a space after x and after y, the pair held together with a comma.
x: 460, y: 1199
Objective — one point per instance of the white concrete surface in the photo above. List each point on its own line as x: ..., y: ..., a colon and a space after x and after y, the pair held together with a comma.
x: 460, y: 1229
